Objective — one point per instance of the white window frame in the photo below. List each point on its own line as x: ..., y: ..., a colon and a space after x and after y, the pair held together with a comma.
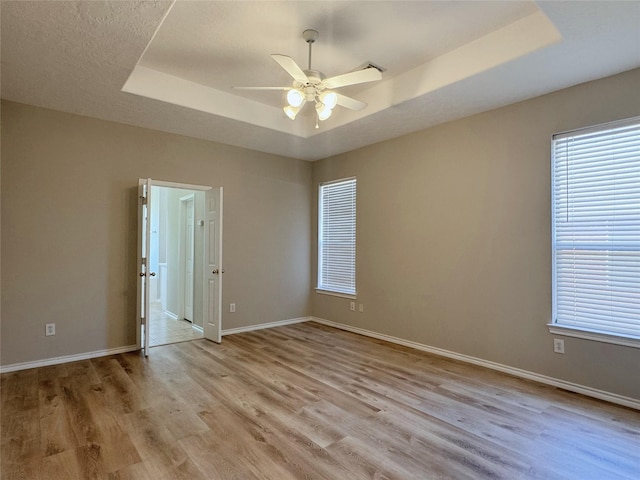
x: 627, y: 241
x: 337, y: 288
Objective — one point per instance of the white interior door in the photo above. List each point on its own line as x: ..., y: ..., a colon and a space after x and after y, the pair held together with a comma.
x: 144, y: 247
x: 213, y: 265
x: 189, y: 252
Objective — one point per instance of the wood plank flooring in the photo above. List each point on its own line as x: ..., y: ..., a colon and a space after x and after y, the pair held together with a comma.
x: 303, y: 402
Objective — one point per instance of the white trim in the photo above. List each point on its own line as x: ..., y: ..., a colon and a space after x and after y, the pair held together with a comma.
x: 536, y: 377
x: 596, y: 336
x: 14, y: 367
x: 260, y: 326
x: 170, y: 314
x: 596, y: 128
x: 322, y: 291
x: 339, y: 180
x: 184, y: 186
x: 197, y: 328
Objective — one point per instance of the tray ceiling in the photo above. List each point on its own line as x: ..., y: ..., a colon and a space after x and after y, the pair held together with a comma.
x: 171, y: 65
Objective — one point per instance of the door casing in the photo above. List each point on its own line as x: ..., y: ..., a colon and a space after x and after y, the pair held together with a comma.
x: 212, y: 310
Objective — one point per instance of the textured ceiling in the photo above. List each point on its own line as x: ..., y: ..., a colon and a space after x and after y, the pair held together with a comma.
x: 201, y: 41
x: 171, y: 66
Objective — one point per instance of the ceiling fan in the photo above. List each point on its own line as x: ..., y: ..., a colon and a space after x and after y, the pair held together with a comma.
x: 312, y: 85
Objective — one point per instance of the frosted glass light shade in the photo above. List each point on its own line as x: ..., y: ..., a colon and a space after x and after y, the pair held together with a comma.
x: 329, y: 99
x: 295, y: 97
x: 291, y: 112
x: 324, y: 112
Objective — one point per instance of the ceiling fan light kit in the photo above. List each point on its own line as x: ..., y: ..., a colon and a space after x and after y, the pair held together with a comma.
x: 295, y: 97
x: 291, y: 112
x: 312, y: 85
x: 329, y: 99
x: 323, y: 111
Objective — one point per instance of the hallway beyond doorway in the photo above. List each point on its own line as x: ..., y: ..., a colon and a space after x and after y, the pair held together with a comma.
x: 165, y: 329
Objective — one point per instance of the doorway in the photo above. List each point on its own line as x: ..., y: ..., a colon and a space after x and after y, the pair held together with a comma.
x: 179, y: 252
x: 174, y: 315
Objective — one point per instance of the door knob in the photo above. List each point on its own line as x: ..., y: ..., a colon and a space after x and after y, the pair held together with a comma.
x: 153, y: 274
x: 215, y: 272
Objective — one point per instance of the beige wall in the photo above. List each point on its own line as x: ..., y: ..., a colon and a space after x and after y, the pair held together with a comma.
x: 69, y: 187
x: 453, y: 232
x: 453, y: 236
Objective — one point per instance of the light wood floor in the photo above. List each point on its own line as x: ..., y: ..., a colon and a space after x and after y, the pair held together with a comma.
x: 303, y: 402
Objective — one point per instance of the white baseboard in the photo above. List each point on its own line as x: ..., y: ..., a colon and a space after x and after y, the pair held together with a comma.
x: 14, y: 367
x: 573, y: 387
x: 170, y: 314
x: 536, y: 377
x: 260, y: 326
x: 103, y: 353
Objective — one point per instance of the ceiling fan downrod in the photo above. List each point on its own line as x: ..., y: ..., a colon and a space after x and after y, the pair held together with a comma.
x: 310, y: 36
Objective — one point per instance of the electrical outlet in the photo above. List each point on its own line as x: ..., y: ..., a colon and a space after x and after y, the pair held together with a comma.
x: 50, y: 329
x: 352, y: 307
x: 232, y: 307
x: 361, y: 307
x: 558, y: 345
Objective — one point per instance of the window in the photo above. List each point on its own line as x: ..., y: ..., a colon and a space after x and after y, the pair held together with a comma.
x: 337, y: 237
x: 596, y: 233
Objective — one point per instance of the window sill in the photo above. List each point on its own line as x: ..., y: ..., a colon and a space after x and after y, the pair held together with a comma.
x: 335, y: 294
x: 627, y: 341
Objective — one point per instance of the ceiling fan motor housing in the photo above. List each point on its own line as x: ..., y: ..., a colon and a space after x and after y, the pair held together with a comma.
x: 313, y: 87
x: 315, y: 76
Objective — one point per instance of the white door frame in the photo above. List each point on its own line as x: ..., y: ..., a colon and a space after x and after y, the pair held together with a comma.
x: 142, y: 262
x: 186, y: 186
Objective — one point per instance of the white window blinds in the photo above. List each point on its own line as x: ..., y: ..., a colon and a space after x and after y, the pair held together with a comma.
x: 337, y: 237
x: 596, y: 228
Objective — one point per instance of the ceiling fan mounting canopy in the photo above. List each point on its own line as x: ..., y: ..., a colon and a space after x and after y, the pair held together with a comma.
x: 312, y: 85
x: 310, y: 35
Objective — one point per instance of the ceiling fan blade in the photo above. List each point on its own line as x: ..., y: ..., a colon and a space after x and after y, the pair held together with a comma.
x: 350, y: 103
x: 261, y: 88
x: 353, y: 78
x: 291, y: 67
